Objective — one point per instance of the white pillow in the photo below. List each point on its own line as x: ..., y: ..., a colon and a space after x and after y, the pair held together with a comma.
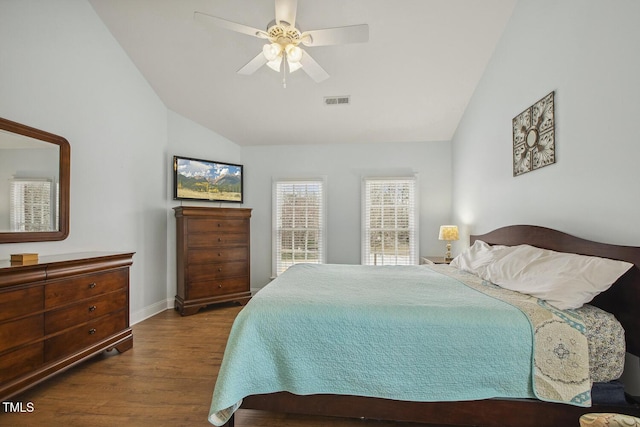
x: 564, y: 280
x: 476, y: 258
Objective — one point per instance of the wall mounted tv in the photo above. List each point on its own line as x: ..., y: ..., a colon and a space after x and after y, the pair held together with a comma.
x: 207, y: 180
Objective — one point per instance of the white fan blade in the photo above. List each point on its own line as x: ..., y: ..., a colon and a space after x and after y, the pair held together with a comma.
x: 339, y: 35
x: 286, y: 11
x: 253, y: 65
x: 210, y: 22
x: 311, y: 67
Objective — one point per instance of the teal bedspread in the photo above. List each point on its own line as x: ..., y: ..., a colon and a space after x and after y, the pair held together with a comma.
x: 403, y: 333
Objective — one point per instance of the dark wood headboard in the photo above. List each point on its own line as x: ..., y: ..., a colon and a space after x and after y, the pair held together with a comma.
x: 622, y: 299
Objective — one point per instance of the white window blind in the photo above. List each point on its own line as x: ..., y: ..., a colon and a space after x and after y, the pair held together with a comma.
x: 390, y: 226
x: 30, y: 205
x: 299, y: 223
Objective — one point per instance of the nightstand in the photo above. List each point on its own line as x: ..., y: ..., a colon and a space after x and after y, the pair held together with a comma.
x: 433, y: 259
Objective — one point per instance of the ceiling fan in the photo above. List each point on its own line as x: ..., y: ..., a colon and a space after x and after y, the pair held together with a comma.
x: 283, y: 40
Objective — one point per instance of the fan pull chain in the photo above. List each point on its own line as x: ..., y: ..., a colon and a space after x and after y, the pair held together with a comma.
x: 284, y: 72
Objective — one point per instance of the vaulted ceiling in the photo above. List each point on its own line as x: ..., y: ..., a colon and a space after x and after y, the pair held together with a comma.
x: 410, y: 82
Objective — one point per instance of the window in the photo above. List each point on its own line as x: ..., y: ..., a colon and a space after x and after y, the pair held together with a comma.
x: 31, y: 205
x: 390, y: 227
x: 298, y: 223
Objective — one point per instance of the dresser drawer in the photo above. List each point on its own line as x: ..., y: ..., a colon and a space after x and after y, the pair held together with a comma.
x: 206, y: 256
x: 84, y: 335
x: 216, y: 239
x: 213, y: 288
x: 21, y: 361
x: 224, y: 225
x: 17, y: 332
x: 90, y: 285
x: 85, y: 311
x: 21, y: 302
x: 206, y: 272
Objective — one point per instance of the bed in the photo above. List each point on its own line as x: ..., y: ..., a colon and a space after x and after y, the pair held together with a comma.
x: 522, y: 410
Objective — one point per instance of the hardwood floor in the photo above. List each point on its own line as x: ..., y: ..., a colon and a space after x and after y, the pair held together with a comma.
x: 167, y: 379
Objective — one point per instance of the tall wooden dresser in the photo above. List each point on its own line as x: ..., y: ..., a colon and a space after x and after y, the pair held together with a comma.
x: 59, y: 311
x: 213, y: 255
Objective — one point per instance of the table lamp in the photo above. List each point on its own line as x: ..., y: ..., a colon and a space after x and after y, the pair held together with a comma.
x: 448, y: 233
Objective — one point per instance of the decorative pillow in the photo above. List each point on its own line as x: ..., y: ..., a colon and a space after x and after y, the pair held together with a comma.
x: 564, y: 280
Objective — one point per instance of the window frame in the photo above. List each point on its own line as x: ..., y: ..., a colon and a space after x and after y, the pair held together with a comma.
x: 413, y: 218
x: 276, y: 253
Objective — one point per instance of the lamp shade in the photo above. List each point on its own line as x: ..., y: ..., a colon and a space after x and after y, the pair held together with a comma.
x: 448, y: 232
x: 271, y: 51
x: 293, y: 66
x: 294, y: 53
x: 275, y: 64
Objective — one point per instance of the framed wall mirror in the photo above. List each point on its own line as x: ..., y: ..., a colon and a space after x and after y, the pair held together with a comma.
x: 34, y: 184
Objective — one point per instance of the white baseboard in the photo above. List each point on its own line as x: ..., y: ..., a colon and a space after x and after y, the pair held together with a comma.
x: 151, y: 310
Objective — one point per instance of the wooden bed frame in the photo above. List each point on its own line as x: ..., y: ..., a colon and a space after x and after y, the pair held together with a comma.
x: 622, y: 299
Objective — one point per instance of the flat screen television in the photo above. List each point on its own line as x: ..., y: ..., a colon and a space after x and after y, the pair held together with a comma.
x: 207, y: 180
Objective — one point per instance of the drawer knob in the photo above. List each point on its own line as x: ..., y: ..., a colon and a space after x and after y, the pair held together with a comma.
x: 92, y: 285
x: 219, y: 239
x: 219, y: 269
x: 92, y: 331
x: 92, y: 308
x: 219, y: 225
x: 220, y: 286
x: 219, y: 254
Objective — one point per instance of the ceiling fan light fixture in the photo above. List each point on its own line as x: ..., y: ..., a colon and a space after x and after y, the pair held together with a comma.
x: 294, y: 53
x: 272, y: 51
x: 293, y: 66
x: 275, y: 64
x: 283, y: 39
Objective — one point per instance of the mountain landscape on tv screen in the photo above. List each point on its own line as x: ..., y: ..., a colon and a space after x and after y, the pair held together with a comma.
x: 223, y: 187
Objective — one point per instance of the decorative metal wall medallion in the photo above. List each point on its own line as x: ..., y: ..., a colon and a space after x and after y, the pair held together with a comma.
x: 534, y: 137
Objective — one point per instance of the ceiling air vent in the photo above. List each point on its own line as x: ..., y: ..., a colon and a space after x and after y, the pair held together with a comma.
x: 337, y: 100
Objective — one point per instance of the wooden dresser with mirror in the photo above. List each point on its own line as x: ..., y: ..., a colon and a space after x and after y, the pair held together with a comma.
x: 55, y: 311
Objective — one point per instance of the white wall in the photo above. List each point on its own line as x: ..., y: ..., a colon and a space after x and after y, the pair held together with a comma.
x: 344, y: 166
x: 62, y: 71
x: 587, y: 52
